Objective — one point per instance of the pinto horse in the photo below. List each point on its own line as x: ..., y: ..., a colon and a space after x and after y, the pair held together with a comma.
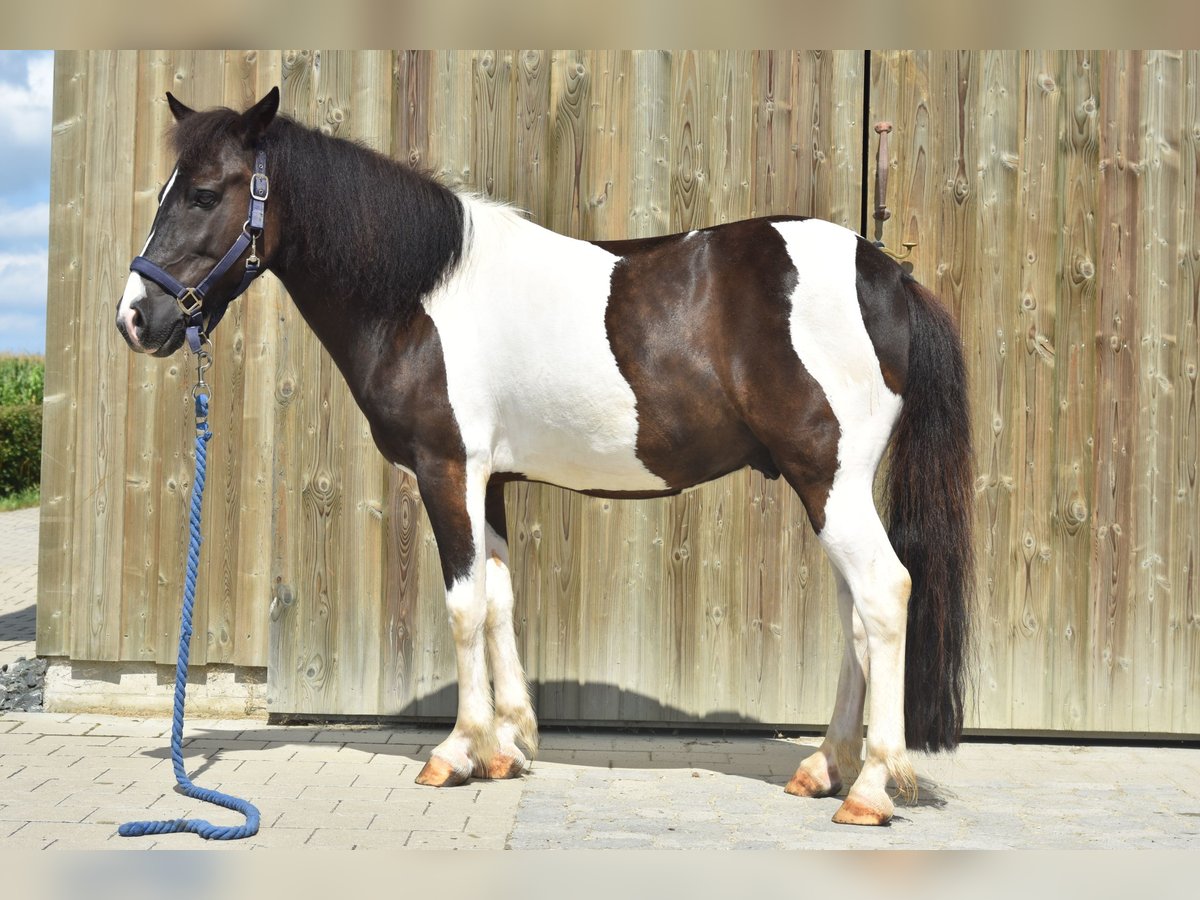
x: 484, y: 349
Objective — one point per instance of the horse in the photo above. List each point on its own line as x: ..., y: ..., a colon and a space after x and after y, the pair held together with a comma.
x: 484, y: 349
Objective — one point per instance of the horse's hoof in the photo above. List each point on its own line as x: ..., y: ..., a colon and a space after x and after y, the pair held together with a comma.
x: 855, y: 812
x: 439, y: 773
x: 804, y: 784
x: 503, y: 766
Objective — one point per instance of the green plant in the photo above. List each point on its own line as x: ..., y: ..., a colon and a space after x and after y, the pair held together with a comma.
x: 22, y: 379
x: 21, y: 500
x: 20, y: 448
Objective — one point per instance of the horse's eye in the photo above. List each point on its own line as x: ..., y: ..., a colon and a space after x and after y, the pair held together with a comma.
x: 205, y: 199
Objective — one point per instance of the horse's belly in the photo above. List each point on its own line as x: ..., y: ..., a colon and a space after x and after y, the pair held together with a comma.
x: 587, y: 444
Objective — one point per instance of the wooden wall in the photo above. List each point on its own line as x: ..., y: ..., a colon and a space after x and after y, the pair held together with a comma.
x: 1053, y: 199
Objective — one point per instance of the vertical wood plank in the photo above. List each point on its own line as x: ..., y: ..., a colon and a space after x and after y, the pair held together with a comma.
x: 1184, y: 712
x: 1034, y: 342
x: 143, y: 466
x: 1156, y: 360
x: 99, y: 512
x: 60, y: 412
x: 1116, y: 390
x: 1074, y: 394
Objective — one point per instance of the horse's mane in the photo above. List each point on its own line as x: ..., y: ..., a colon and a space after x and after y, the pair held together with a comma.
x: 383, y: 232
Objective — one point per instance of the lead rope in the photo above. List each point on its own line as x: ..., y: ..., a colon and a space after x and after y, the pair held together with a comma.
x: 205, y: 829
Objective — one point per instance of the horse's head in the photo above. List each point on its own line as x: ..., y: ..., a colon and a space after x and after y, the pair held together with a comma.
x: 203, y: 245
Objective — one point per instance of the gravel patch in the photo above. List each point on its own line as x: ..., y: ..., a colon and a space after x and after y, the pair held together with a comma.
x: 21, y: 684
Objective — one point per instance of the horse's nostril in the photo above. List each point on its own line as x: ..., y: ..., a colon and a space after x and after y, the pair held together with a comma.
x: 137, y: 320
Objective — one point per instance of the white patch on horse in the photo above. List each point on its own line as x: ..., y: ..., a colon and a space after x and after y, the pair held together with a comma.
x: 532, y: 378
x: 135, y: 286
x: 162, y: 198
x: 831, y: 340
x: 135, y: 290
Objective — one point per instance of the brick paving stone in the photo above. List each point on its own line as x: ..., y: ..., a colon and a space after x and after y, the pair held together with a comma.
x: 442, y: 840
x: 256, y: 793
x: 387, y: 780
x: 332, y: 820
x: 413, y: 821
x: 62, y: 836
x: 344, y: 792
x: 329, y: 753
x: 275, y: 734
x: 358, y: 839
x: 349, y: 736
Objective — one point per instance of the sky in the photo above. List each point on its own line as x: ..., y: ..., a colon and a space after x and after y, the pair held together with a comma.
x: 26, y: 88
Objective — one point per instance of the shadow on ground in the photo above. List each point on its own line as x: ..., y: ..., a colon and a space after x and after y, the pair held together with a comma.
x: 726, y: 743
x: 20, y: 624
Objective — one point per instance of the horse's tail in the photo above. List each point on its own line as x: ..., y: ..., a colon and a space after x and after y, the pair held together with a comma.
x: 930, y: 488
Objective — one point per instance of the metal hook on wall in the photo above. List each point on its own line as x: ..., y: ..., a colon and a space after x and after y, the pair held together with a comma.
x: 882, y: 213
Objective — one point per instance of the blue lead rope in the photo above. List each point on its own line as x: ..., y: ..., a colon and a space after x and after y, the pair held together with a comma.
x: 205, y: 829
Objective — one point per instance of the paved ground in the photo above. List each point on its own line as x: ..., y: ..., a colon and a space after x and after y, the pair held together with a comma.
x: 69, y: 780
x: 18, y: 583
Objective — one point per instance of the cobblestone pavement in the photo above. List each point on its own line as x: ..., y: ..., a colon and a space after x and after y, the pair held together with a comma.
x: 18, y: 583
x: 69, y: 780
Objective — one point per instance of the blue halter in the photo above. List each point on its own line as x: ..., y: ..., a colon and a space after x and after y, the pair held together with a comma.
x: 191, y: 299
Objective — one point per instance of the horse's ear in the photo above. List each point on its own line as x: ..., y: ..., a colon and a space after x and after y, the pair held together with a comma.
x: 178, y: 109
x: 256, y: 119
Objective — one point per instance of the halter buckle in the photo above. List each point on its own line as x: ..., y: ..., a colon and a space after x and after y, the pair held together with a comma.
x: 190, y: 303
x: 260, y: 186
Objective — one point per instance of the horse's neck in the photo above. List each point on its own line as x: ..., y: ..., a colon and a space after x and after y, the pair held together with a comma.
x: 329, y: 312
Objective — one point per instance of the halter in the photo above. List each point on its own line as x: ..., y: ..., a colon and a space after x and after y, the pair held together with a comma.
x: 191, y: 299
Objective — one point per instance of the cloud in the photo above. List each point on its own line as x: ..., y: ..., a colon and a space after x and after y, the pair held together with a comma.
x: 24, y: 225
x: 25, y: 108
x: 22, y: 282
x: 22, y: 302
x: 26, y: 119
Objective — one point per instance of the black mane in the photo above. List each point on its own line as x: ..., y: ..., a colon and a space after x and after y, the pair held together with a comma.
x: 382, y: 232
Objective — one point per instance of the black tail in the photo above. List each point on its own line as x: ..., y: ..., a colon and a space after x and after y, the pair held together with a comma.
x: 931, y: 493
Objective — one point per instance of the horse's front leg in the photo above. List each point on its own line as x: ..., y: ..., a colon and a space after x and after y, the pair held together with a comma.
x: 453, y: 494
x: 515, y: 721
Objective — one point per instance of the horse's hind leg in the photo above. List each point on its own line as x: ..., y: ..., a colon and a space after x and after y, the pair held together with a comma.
x: 840, y: 754
x: 514, y: 715
x: 858, y: 546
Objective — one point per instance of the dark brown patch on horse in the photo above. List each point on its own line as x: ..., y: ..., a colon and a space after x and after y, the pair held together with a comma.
x: 884, y: 305
x: 494, y: 504
x: 699, y: 326
x: 406, y: 400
